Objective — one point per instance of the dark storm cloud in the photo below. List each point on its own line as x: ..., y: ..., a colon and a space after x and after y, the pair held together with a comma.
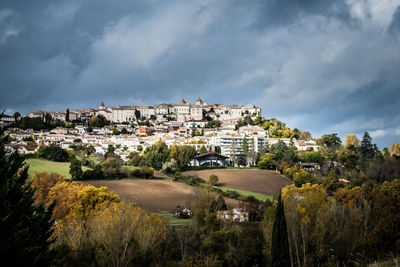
x: 324, y: 66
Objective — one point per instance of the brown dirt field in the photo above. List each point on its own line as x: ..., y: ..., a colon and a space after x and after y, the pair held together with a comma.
x: 254, y: 180
x: 153, y: 195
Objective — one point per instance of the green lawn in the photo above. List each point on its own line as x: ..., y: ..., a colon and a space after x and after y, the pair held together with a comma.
x: 258, y: 196
x: 42, y: 165
x: 170, y: 218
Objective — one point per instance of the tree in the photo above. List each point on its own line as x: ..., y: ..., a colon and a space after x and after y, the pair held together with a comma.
x: 213, y: 179
x: 267, y: 161
x: 203, y: 150
x: 42, y: 182
x: 280, y: 242
x: 16, y: 116
x: 25, y: 229
x: 98, y: 121
x: 137, y: 114
x: 330, y: 141
x: 245, y: 146
x: 67, y: 115
x: 156, y: 155
x: 301, y: 177
x: 75, y: 169
x: 394, y: 149
x: 367, y: 149
x: 124, y: 131
x: 352, y: 139
x: 53, y: 153
x: 124, y: 232
x: 47, y: 118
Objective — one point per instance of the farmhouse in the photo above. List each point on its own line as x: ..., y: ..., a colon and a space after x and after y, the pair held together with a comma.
x: 238, y: 215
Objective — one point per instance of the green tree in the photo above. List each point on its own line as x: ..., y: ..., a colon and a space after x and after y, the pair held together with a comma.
x: 213, y: 179
x: 203, y: 150
x: 75, y: 169
x: 367, y: 149
x: 156, y: 155
x: 53, y: 153
x: 25, y: 229
x: 280, y: 242
x: 16, y: 116
x: 330, y: 141
x: 137, y: 114
x: 245, y: 146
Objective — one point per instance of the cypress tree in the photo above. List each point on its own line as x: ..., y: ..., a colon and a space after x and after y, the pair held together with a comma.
x: 25, y: 229
x: 280, y: 243
x: 67, y: 115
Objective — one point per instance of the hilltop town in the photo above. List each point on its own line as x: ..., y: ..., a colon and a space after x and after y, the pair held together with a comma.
x: 215, y: 127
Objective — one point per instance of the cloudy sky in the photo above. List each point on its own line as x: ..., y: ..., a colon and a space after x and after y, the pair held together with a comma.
x: 320, y: 65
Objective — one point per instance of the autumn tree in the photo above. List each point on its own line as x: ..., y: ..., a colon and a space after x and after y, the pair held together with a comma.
x: 394, y: 149
x: 42, y: 182
x: 124, y: 234
x: 351, y: 139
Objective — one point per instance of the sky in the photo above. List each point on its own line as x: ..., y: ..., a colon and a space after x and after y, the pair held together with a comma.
x: 322, y: 66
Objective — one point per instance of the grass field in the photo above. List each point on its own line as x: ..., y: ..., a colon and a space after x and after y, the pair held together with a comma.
x: 42, y: 165
x: 258, y: 196
x: 170, y: 218
x: 259, y: 181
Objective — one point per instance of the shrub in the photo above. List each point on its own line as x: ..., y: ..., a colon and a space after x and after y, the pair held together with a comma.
x: 53, y: 153
x: 143, y: 172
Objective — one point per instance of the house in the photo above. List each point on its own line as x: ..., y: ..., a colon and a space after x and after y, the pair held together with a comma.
x: 237, y: 215
x: 209, y: 159
x: 195, y: 124
x: 6, y: 120
x: 310, y: 166
x: 182, y: 212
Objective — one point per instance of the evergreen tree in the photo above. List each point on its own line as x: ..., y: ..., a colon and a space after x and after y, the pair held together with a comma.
x: 25, y: 229
x: 67, y: 115
x: 367, y: 149
x: 280, y: 243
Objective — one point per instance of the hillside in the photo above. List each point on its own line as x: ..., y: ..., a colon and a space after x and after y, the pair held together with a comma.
x: 254, y: 180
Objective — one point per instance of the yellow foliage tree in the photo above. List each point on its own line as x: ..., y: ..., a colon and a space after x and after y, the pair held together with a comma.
x: 78, y: 200
x: 395, y: 149
x: 42, y: 182
x: 352, y: 139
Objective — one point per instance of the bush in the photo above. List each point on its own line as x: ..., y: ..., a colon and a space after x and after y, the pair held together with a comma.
x: 213, y: 180
x: 143, y: 172
x: 94, y: 174
x: 53, y: 153
x: 146, y: 172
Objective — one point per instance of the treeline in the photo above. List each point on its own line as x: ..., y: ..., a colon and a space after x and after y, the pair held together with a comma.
x: 160, y: 157
x: 355, y: 161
